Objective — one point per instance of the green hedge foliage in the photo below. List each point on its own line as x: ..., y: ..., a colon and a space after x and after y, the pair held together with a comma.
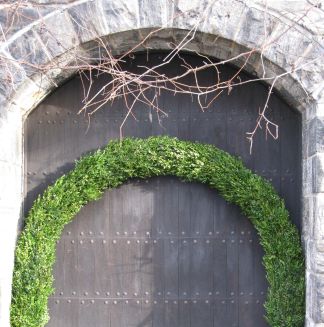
x: 145, y: 158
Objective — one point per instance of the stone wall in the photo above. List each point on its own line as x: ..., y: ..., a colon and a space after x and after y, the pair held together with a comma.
x: 228, y: 28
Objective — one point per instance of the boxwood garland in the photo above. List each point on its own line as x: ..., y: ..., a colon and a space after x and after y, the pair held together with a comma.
x: 144, y: 158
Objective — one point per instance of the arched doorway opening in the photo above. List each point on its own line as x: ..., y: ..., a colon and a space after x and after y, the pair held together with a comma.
x: 223, y: 125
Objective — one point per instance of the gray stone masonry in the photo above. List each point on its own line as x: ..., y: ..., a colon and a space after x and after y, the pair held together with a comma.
x: 228, y: 28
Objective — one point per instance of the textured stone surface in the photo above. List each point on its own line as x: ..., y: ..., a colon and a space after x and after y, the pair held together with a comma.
x: 121, y: 15
x: 8, y: 234
x: 307, y: 177
x: 14, y: 18
x: 317, y: 309
x: 29, y: 51
x: 49, y: 33
x: 318, y: 260
x: 316, y: 132
x: 318, y: 172
x: 12, y: 76
x: 85, y: 26
x: 57, y: 33
x: 10, y: 145
x: 320, y: 108
x: 307, y: 220
x: 318, y: 212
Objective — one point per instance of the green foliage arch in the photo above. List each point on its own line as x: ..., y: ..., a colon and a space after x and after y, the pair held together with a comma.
x: 144, y: 158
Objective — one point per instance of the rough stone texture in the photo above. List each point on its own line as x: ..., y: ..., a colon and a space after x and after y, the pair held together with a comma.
x: 114, y: 11
x: 87, y: 28
x: 318, y: 171
x: 50, y: 32
x: 318, y: 212
x: 320, y: 109
x: 316, y: 130
x: 57, y: 34
x: 307, y: 223
x: 317, y: 262
x: 29, y: 50
x: 12, y: 81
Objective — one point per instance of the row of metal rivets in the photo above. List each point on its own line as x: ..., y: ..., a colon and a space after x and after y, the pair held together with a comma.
x: 92, y: 241
x: 149, y: 233
x: 170, y: 111
x: 163, y: 115
x: 160, y: 293
x: 147, y: 120
x: 52, y: 122
x: 157, y: 302
x: 86, y: 121
x: 173, y: 111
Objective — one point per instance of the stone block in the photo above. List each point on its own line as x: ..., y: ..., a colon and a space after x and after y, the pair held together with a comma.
x: 307, y: 217
x: 88, y: 20
x: 311, y: 308
x: 15, y: 18
x: 207, y: 15
x: 121, y: 15
x: 316, y: 136
x: 30, y: 93
x: 8, y: 233
x: 12, y: 75
x: 315, y: 297
x: 311, y: 76
x: 320, y: 109
x: 10, y: 137
x: 57, y: 33
x: 10, y: 186
x: 154, y: 13
x: 315, y: 256
x: 29, y: 52
x: 305, y: 115
x: 290, y: 85
x: 318, y: 211
x: 307, y: 177
x: 318, y: 172
x: 121, y: 43
x: 310, y: 112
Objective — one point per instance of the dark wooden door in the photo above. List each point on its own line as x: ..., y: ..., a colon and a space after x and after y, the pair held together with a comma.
x: 160, y: 252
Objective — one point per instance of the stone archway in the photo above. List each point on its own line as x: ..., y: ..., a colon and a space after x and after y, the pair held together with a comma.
x: 228, y: 29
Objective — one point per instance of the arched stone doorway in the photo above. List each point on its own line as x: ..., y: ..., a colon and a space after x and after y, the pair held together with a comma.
x: 219, y: 36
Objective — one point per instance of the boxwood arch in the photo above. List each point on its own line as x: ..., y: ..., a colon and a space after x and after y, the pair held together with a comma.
x: 144, y: 158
